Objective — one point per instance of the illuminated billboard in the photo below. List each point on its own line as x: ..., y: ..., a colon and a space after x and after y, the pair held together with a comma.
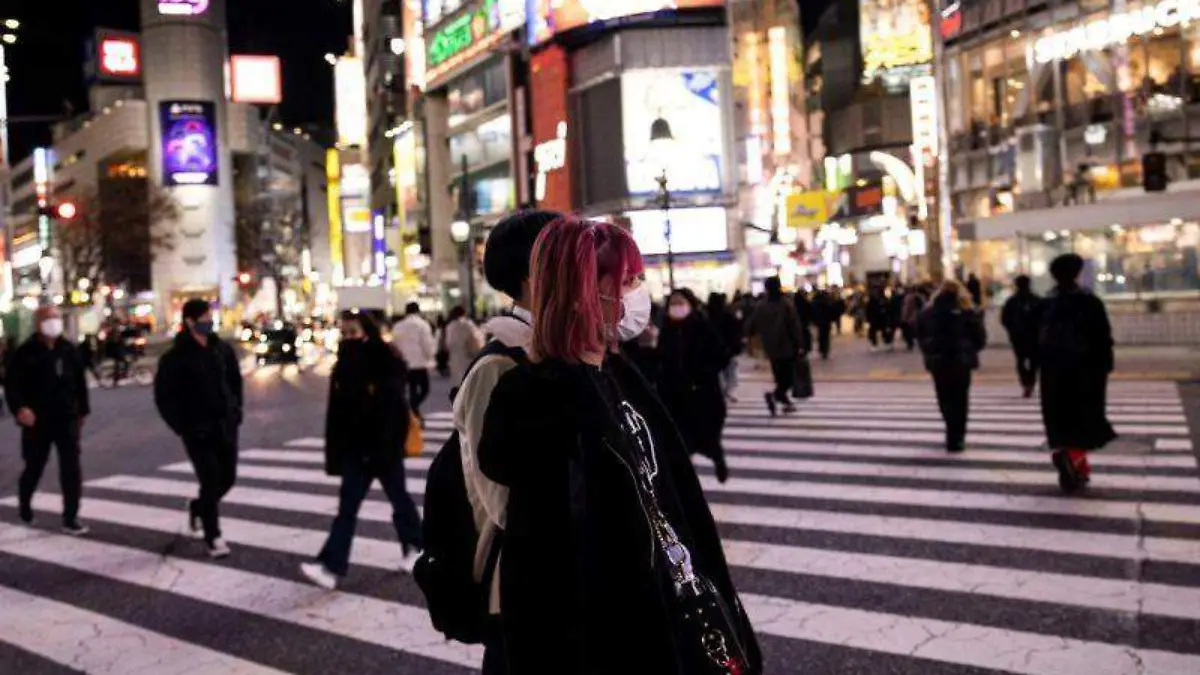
x: 690, y: 102
x: 469, y: 34
x: 255, y: 79
x: 189, y: 142
x: 547, y: 18
x: 183, y: 7
x: 350, y: 100
x: 119, y: 57
x: 897, y: 41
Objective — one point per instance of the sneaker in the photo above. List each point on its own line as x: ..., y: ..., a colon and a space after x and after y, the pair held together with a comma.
x: 75, y: 528
x: 194, y: 528
x: 789, y: 408
x: 1068, y: 480
x: 26, y: 513
x: 770, y: 399
x: 955, y: 448
x: 316, y: 573
x: 409, y: 561
x: 218, y: 549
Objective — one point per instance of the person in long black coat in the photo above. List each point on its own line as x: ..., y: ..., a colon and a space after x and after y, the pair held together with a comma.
x: 729, y: 329
x: 1076, y: 353
x: 877, y: 312
x: 951, y: 334
x: 365, y: 430
x: 1022, y: 317
x: 691, y: 358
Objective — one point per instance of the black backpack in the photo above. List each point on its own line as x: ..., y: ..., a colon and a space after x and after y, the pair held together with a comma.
x: 458, y: 605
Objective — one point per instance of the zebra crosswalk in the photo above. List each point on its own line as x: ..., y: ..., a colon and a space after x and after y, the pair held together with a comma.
x: 857, y: 544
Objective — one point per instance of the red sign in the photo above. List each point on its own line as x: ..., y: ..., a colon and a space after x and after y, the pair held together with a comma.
x: 549, y: 81
x: 120, y: 57
x: 551, y: 17
x: 952, y: 23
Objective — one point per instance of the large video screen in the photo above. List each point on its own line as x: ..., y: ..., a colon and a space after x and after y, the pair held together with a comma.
x: 189, y: 142
x: 549, y: 17
x: 690, y: 102
x: 897, y: 41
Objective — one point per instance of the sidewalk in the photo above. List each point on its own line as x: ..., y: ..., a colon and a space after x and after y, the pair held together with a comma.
x: 851, y: 360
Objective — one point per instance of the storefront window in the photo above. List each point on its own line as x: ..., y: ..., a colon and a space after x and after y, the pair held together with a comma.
x: 1016, y: 82
x: 486, y: 144
x: 476, y: 91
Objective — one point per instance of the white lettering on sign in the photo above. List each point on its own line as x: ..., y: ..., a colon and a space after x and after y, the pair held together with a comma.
x: 550, y: 156
x: 119, y: 56
x: 1115, y: 29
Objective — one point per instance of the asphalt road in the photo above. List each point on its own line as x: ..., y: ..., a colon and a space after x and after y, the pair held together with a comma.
x: 858, y: 545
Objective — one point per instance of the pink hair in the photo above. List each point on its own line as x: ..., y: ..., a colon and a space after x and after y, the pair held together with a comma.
x: 574, y: 261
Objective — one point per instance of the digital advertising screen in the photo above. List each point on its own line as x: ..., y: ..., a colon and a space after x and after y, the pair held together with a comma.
x: 550, y: 17
x: 189, y: 142
x: 690, y: 102
x: 897, y: 40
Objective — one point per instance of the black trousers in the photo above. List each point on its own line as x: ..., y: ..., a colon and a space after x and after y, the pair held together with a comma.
x: 953, y: 386
x: 878, y: 332
x: 214, y: 458
x: 909, y: 333
x: 418, y: 388
x: 823, y: 331
x: 784, y: 372
x: 495, y: 656
x: 35, y: 450
x: 1027, y: 366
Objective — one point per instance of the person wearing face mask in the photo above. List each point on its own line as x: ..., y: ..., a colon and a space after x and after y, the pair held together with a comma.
x: 691, y: 358
x: 610, y: 551
x: 365, y: 428
x: 47, y: 393
x: 198, y: 391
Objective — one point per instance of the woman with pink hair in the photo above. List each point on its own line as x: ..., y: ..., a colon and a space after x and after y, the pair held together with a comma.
x: 611, y: 561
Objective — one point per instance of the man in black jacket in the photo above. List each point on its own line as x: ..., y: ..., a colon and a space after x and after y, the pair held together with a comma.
x: 198, y: 391
x: 48, y: 395
x: 1021, y: 317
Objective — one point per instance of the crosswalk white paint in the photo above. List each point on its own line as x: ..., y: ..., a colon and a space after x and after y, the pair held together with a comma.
x: 811, y: 479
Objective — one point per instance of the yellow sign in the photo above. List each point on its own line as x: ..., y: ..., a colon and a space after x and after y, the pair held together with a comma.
x: 809, y: 210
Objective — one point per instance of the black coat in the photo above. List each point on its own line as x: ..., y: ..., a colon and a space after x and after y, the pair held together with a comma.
x: 48, y: 380
x: 1076, y: 348
x: 367, y: 417
x: 580, y: 581
x: 691, y: 358
x: 730, y: 331
x: 198, y: 390
x: 877, y: 310
x: 950, y: 336
x: 1022, y: 317
x: 825, y: 310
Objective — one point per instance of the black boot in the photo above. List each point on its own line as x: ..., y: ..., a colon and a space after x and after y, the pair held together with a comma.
x: 722, y: 469
x: 770, y: 399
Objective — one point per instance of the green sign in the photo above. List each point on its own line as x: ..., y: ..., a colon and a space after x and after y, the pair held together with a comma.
x: 462, y: 32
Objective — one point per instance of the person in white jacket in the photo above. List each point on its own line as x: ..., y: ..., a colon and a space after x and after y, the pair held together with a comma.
x: 413, y: 337
x: 506, y: 266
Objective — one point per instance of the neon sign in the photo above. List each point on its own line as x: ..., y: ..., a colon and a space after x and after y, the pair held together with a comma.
x: 183, y: 7
x: 120, y: 57
x: 1115, y: 29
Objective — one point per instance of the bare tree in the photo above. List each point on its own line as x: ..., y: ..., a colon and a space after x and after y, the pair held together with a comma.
x: 118, y: 227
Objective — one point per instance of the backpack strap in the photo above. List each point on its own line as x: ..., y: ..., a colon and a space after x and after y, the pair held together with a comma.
x: 492, y: 348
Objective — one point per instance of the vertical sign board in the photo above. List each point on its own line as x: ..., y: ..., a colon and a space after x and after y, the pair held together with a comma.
x: 189, y: 142
x: 549, y: 80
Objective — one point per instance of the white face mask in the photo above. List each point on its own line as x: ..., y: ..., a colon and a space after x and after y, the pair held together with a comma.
x: 679, y: 312
x: 637, y: 314
x: 52, y: 328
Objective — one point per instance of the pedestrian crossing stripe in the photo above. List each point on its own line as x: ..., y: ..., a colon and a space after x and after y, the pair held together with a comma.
x: 878, y: 545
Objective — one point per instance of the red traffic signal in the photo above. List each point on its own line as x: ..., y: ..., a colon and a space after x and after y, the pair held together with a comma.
x: 244, y: 278
x: 66, y: 210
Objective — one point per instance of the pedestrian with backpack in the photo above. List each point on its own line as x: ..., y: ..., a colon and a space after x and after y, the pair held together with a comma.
x: 951, y: 334
x: 611, y: 562
x: 1021, y: 317
x: 464, y: 509
x: 1076, y: 350
x: 366, y: 425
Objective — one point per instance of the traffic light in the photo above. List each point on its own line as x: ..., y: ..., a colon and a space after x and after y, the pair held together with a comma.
x: 243, y: 279
x: 1154, y: 171
x: 66, y: 211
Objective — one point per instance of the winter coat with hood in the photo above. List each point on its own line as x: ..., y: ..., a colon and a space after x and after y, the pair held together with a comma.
x: 950, y: 335
x: 367, y: 418
x: 1076, y: 350
x: 198, y: 389
x: 583, y: 586
x: 778, y: 326
x: 691, y: 359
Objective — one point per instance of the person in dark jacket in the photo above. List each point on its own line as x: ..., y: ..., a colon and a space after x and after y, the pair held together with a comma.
x: 1076, y: 353
x: 1021, y: 317
x: 975, y: 288
x: 728, y: 328
x: 825, y: 315
x: 600, y: 488
x: 691, y: 358
x: 198, y: 391
x: 951, y: 335
x: 895, y: 309
x: 877, y: 312
x: 366, y: 424
x: 47, y: 393
x: 804, y: 311
x: 777, y: 325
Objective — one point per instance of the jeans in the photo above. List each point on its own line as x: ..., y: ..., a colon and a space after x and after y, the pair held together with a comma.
x: 729, y: 378
x: 784, y: 371
x: 1027, y: 367
x: 356, y: 481
x: 418, y: 389
x: 35, y: 450
x: 214, y: 458
x: 953, y: 386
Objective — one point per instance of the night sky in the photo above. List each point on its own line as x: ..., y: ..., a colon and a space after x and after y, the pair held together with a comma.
x: 47, y: 64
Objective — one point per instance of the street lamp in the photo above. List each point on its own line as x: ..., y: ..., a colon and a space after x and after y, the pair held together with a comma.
x: 662, y: 144
x: 460, y: 232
